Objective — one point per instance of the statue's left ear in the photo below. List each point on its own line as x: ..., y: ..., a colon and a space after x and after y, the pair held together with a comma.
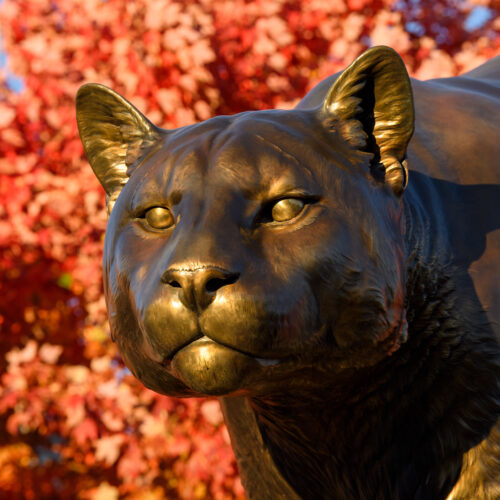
x: 371, y: 105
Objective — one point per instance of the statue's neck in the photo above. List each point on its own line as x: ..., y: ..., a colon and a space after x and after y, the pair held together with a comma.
x: 400, y: 428
x: 379, y: 437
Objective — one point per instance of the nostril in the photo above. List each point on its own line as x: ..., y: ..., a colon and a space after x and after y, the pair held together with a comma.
x: 213, y: 284
x: 173, y: 278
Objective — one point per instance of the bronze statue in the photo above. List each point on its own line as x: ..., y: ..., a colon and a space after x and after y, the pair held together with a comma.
x: 330, y: 272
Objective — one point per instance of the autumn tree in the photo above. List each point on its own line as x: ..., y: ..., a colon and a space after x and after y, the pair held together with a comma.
x: 73, y: 422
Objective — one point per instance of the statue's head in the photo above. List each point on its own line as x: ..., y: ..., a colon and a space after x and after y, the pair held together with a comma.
x: 258, y: 251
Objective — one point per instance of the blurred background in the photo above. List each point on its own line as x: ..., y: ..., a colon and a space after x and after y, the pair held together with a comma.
x: 73, y: 423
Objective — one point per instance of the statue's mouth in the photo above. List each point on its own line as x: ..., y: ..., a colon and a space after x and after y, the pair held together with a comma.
x: 211, y: 368
x: 205, y: 342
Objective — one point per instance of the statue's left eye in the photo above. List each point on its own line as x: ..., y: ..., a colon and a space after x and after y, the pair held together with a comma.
x: 286, y: 209
x: 159, y: 217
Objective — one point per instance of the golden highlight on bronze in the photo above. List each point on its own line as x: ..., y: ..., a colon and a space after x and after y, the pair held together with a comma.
x: 159, y: 217
x: 287, y: 209
x: 329, y: 272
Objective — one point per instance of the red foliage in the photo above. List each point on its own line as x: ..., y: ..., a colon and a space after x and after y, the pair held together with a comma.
x: 73, y: 422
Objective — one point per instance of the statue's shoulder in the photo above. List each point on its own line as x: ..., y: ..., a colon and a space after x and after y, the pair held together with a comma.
x: 478, y: 84
x: 490, y: 70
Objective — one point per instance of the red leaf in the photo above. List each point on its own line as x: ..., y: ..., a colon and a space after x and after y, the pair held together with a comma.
x: 87, y: 430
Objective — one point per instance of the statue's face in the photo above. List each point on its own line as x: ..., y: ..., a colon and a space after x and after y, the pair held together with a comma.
x: 252, y: 252
x: 259, y: 252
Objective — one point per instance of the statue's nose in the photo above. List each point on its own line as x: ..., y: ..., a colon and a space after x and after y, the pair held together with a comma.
x: 198, y: 286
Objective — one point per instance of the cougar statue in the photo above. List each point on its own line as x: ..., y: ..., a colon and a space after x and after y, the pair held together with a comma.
x: 330, y: 273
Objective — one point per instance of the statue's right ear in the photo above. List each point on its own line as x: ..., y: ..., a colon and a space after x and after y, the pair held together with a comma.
x: 115, y: 136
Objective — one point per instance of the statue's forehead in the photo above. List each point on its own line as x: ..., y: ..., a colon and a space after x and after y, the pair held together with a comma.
x: 249, y: 151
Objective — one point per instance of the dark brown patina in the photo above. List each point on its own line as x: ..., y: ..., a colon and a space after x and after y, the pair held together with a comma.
x: 285, y: 261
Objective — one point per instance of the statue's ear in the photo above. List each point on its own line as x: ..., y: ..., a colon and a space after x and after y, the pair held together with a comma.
x: 371, y: 105
x: 115, y: 135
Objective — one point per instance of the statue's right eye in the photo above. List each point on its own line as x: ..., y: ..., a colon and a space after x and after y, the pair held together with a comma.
x: 159, y: 218
x: 286, y: 209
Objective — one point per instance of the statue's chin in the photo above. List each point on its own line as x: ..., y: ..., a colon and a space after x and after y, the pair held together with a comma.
x: 211, y: 369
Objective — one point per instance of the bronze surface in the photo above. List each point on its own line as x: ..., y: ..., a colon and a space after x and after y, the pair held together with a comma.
x: 330, y: 272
